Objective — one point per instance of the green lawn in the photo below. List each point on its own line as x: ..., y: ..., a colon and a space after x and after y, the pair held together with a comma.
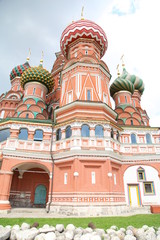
x: 100, y: 222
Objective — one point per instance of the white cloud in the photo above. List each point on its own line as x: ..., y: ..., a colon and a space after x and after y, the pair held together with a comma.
x: 136, y: 36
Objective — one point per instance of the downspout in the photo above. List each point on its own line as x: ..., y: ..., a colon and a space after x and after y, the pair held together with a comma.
x: 51, y: 154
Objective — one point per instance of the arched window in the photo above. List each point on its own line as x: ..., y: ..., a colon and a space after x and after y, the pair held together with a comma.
x: 27, y: 115
x: 4, y: 134
x: 85, y: 131
x: 148, y: 138
x: 58, y: 134
x: 23, y: 134
x: 38, y: 135
x: 125, y: 99
x: 133, y: 138
x: 131, y: 122
x: 68, y: 132
x: 112, y: 133
x: 99, y: 132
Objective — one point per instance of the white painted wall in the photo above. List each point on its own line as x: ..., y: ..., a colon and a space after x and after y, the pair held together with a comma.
x: 130, y: 177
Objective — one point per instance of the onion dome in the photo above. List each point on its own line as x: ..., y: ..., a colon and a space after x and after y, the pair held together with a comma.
x: 38, y: 74
x: 83, y: 29
x: 121, y: 84
x: 138, y: 82
x: 17, y: 71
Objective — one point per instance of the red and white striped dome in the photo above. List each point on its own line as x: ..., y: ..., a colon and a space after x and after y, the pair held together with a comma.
x: 83, y: 29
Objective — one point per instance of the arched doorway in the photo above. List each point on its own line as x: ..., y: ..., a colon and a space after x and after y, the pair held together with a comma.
x: 40, y: 195
x: 30, y: 186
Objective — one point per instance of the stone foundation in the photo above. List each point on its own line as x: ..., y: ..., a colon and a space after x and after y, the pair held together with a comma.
x: 96, y: 211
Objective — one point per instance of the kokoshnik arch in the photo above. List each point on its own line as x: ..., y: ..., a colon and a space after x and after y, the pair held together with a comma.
x: 63, y: 146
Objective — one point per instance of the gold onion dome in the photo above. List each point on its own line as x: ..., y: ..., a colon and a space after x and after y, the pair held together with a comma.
x: 137, y: 82
x: 121, y: 84
x: 38, y: 74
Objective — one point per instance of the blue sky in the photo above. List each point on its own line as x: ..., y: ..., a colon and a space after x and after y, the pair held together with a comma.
x: 131, y: 26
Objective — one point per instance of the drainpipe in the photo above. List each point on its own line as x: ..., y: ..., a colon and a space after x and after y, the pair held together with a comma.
x: 51, y: 154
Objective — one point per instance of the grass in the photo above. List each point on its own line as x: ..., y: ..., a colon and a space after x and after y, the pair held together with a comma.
x: 100, y: 222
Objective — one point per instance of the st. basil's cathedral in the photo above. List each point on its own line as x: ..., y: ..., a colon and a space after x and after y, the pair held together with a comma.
x: 62, y: 145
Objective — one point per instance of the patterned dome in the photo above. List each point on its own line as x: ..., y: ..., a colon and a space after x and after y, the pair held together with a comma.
x: 38, y: 74
x: 138, y: 82
x: 121, y: 84
x: 17, y: 71
x: 83, y: 29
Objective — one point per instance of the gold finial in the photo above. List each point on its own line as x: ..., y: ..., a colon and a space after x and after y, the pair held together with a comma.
x: 82, y: 18
x: 122, y: 59
x: 118, y: 73
x: 41, y: 61
x: 29, y: 54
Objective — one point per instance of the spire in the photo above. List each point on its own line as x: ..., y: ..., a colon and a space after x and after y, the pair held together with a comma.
x: 82, y: 18
x: 29, y: 54
x: 122, y: 59
x: 41, y: 61
x: 118, y: 73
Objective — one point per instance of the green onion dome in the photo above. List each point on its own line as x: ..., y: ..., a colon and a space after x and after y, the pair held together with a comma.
x: 138, y: 82
x: 38, y: 74
x: 121, y: 84
x: 17, y: 71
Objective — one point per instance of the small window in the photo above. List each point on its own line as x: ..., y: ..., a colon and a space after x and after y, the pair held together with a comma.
x: 85, y: 131
x: 93, y: 176
x: 58, y: 134
x: 125, y: 99
x: 34, y: 90
x: 38, y: 135
x: 41, y: 93
x: 75, y: 54
x: 133, y: 138
x: 4, y: 134
x: 149, y: 188
x: 2, y: 114
x: 117, y: 136
x: 69, y: 97
x: 131, y: 122
x: 112, y: 133
x: 27, y: 115
x: 23, y: 134
x: 148, y: 138
x: 65, y: 178
x: 18, y: 87
x: 115, y: 179
x: 133, y: 103
x: 99, y: 132
x: 89, y: 95
x: 141, y: 174
x: 119, y: 100
x: 86, y: 52
x: 105, y: 98
x: 68, y: 132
